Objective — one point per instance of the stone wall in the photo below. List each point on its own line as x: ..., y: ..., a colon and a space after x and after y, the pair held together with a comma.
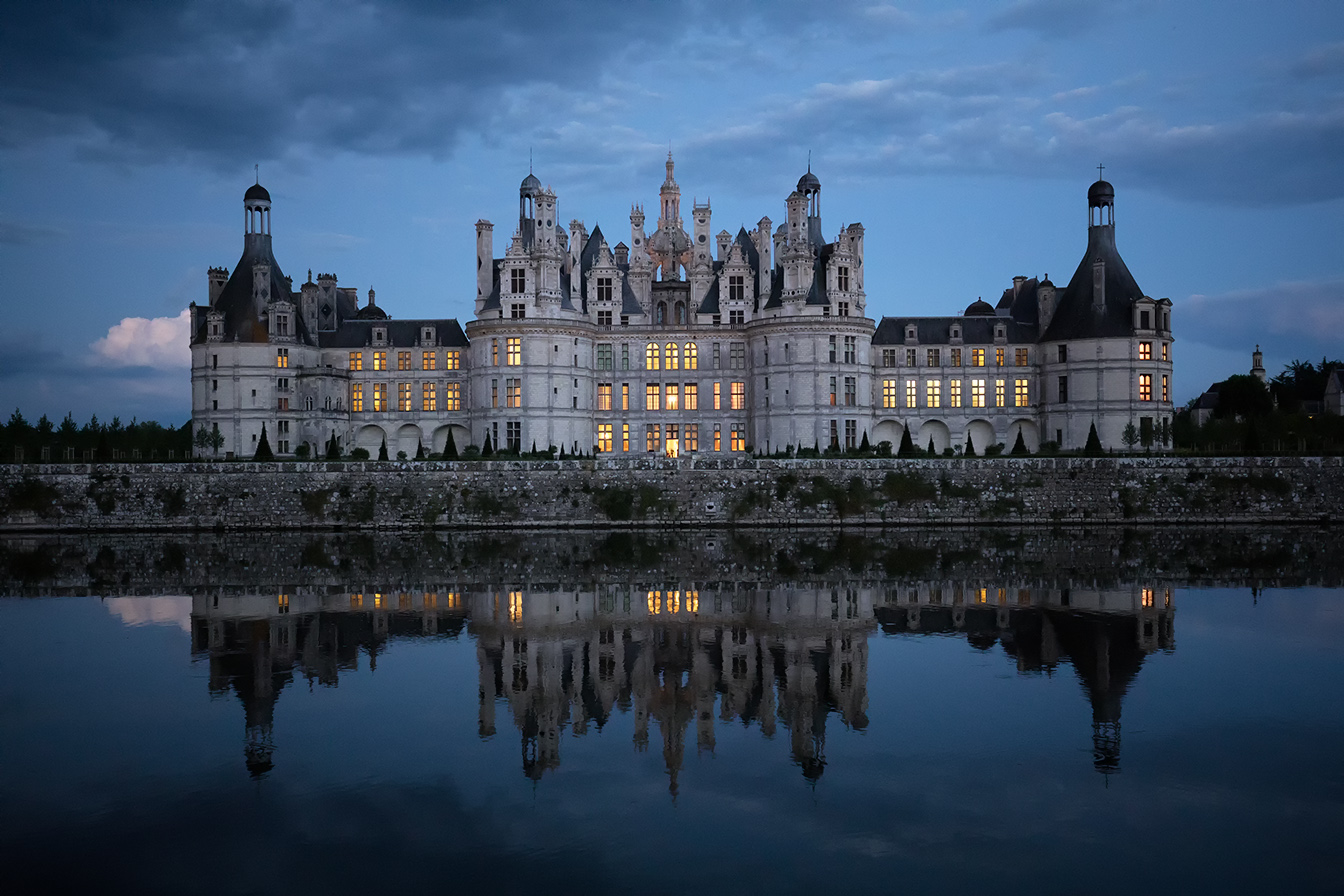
x: 664, y: 492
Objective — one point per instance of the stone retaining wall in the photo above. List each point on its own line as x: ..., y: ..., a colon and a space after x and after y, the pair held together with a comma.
x: 664, y: 492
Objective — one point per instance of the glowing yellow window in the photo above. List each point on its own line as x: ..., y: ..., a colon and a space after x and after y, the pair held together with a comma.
x: 515, y: 351
x: 357, y: 397
x: 380, y: 360
x: 380, y: 396
x: 403, y: 396
x: 1145, y: 387
x: 1020, y: 397
x: 690, y: 396
x: 452, y: 360
x: 954, y: 394
x: 652, y: 397
x: 977, y: 357
x: 604, y: 396
x: 673, y: 355
x: 671, y: 392
x: 429, y: 361
x: 356, y: 601
x: 403, y: 360
x: 998, y: 357
x: 604, y: 437
x: 911, y: 393
x: 282, y: 357
x: 1145, y: 351
x: 889, y: 392
x: 356, y: 360
x: 652, y: 359
x: 716, y: 399
x: 739, y: 401
x: 427, y: 397
x: 655, y: 602
x: 1147, y: 597
x: 1000, y: 392
x: 933, y: 394
x: 452, y: 396
x: 690, y: 355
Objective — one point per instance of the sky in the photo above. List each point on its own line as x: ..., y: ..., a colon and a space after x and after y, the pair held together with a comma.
x: 963, y: 136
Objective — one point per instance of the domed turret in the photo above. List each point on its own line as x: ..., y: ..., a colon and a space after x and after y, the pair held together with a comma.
x: 1100, y: 193
x: 530, y: 185
x: 979, y: 308
x: 256, y: 192
x: 808, y: 183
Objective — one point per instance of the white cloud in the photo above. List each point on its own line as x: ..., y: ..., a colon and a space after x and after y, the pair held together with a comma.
x: 169, y: 611
x: 160, y: 342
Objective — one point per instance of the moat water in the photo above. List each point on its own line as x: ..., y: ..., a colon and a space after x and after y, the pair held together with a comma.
x: 704, y: 712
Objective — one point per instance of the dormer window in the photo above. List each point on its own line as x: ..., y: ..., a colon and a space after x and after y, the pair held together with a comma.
x: 282, y: 325
x: 842, y: 278
x: 1000, y: 332
x: 427, y: 335
x: 956, y: 332
x: 379, y: 335
x: 736, y: 288
x: 604, y: 289
x: 517, y: 280
x: 909, y: 334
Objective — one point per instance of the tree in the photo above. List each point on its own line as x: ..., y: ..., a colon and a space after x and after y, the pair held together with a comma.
x: 1252, y: 442
x: 1164, y: 432
x: 1020, y: 445
x: 419, y: 450
x: 487, y: 449
x: 201, y: 440
x: 263, y: 447
x: 907, y: 444
x: 382, y: 449
x: 933, y: 451
x: 450, y: 449
x: 333, y: 448
x: 863, y: 445
x: 1243, y: 396
x: 970, y: 446
x: 1130, y: 435
x: 1093, y: 446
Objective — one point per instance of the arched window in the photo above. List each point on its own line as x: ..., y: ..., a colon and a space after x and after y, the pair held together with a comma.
x: 690, y: 352
x: 651, y: 356
x: 673, y: 356
x: 681, y: 314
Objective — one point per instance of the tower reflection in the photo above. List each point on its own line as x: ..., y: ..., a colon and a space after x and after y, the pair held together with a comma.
x: 676, y: 656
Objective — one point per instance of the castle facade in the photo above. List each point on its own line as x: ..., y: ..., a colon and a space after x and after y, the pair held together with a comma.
x: 677, y: 343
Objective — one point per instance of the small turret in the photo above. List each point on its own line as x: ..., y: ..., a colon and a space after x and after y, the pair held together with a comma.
x: 217, y: 277
x: 1258, y: 364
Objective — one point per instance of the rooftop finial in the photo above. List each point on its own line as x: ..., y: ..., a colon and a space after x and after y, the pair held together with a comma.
x: 529, y: 160
x: 1100, y: 168
x: 257, y: 170
x: 809, y: 161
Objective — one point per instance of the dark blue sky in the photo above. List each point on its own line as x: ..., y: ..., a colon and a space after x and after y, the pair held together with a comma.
x: 963, y: 137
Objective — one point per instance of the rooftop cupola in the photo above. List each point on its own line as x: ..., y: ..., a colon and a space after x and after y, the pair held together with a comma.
x: 528, y: 192
x: 1101, y: 203
x: 810, y: 187
x: 257, y: 214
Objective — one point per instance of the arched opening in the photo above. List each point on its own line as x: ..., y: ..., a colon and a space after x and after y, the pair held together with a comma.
x: 981, y: 435
x: 408, y: 440
x: 888, y: 431
x: 1031, y: 436
x: 934, y: 431
x: 370, y: 438
x: 461, y: 438
x: 660, y: 314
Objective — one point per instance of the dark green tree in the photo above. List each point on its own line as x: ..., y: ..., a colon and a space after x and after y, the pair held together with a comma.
x: 970, y: 447
x: 1130, y: 435
x: 382, y: 449
x: 450, y: 449
x: 1020, y: 445
x: 419, y: 450
x: 1093, y: 446
x: 907, y: 448
x: 263, y: 447
x: 863, y: 444
x: 487, y: 449
x: 1243, y: 396
x: 333, y: 448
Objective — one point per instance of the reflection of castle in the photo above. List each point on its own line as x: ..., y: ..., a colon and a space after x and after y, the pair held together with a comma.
x: 562, y: 657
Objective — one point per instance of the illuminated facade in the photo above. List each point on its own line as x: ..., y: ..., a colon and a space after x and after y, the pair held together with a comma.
x: 681, y: 342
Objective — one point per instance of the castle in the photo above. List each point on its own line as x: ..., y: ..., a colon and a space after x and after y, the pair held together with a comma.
x: 678, y: 343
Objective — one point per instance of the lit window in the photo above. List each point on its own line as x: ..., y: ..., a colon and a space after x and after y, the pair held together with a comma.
x: 717, y: 403
x: 403, y: 396
x: 494, y: 352
x: 1020, y: 396
x: 690, y: 394
x: 356, y: 601
x: 427, y: 397
x: 832, y: 391
x: 1020, y: 357
x: 282, y: 357
x: 1145, y: 351
x: 671, y: 440
x: 653, y: 437
x: 956, y: 357
x: 739, y: 439
x: 515, y: 351
x: 672, y: 397
x: 977, y: 357
x: 673, y: 355
x: 977, y: 393
x: 652, y: 359
x: 513, y: 393
x: 889, y: 394
x: 625, y: 396
x: 403, y: 360
x: 452, y: 360
x: 718, y: 435
x: 911, y: 357
x: 357, y: 397
x: 911, y: 393
x: 690, y: 355
x: 356, y: 360
x: 429, y: 361
x: 380, y: 396
x: 1000, y: 393
x: 954, y: 394
x: 1166, y: 351
x: 739, y: 396
x: 625, y: 437
x: 380, y: 360
x: 652, y: 396
x: 998, y: 357
x: 604, y: 437
x: 604, y: 396
x: 1146, y: 597
x: 933, y: 394
x: 1166, y: 393
x: 1145, y: 387
x: 452, y: 396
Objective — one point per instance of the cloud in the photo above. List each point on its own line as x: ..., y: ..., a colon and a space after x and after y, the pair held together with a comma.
x: 159, y: 610
x: 1297, y: 319
x: 160, y: 342
x: 26, y: 234
x: 1051, y: 18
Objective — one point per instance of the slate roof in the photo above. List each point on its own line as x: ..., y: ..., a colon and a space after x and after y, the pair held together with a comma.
x: 938, y: 330
x: 241, y: 320
x: 400, y: 333
x: 1074, y: 317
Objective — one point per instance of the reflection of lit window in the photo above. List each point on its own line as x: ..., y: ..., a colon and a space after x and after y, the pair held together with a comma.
x: 356, y: 601
x: 981, y: 595
x: 674, y: 601
x: 1166, y: 601
x: 515, y: 606
x: 692, y: 601
x: 431, y: 600
x: 282, y: 603
x: 377, y: 601
x: 1146, y: 597
x: 1003, y: 596
x: 453, y: 600
x: 655, y: 602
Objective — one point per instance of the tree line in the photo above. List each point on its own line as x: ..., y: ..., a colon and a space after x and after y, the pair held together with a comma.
x: 24, y: 441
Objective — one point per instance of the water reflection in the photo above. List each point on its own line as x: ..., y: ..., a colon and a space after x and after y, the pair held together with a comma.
x: 680, y: 658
